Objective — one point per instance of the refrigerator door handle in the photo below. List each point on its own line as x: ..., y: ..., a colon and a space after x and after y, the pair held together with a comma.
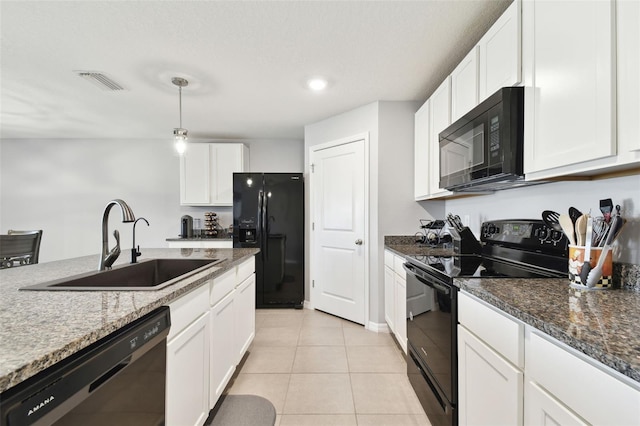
x: 265, y: 225
x: 260, y: 222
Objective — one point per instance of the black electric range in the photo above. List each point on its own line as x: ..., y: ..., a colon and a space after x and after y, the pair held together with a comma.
x: 507, y: 249
x: 510, y: 249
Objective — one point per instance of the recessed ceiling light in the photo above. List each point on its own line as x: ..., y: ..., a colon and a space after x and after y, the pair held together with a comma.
x: 317, y: 84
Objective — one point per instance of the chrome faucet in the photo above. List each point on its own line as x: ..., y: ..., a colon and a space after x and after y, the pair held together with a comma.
x: 108, y: 257
x: 135, y: 252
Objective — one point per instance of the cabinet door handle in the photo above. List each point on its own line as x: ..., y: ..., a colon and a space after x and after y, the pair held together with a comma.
x: 358, y: 242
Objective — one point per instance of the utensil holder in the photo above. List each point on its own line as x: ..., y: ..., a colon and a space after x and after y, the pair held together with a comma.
x: 576, y: 260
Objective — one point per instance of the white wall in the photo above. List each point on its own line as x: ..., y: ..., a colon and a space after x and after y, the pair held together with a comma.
x: 62, y: 187
x: 530, y: 202
x: 391, y: 209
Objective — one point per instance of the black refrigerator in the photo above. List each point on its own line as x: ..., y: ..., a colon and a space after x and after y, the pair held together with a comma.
x: 268, y: 213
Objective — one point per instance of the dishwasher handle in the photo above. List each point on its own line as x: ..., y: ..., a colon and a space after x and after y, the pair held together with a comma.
x: 425, y: 279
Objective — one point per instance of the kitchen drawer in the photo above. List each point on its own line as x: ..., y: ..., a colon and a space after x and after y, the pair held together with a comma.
x: 222, y: 285
x: 398, y: 261
x: 188, y: 309
x: 245, y: 269
x: 503, y: 334
x: 587, y: 389
x: 388, y: 258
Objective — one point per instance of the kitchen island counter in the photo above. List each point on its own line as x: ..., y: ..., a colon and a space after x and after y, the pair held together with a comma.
x: 40, y: 328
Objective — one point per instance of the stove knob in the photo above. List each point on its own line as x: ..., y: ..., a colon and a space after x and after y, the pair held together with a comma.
x: 492, y: 229
x: 543, y: 233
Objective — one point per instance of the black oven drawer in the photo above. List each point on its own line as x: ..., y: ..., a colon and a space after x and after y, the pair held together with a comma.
x: 438, y: 409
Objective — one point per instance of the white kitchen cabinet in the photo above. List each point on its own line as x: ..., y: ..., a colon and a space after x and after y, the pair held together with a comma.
x: 389, y: 294
x: 464, y: 85
x: 605, y: 398
x: 223, y: 351
x: 245, y: 321
x: 628, y: 72
x: 439, y: 119
x: 490, y: 365
x: 544, y: 410
x: 500, y: 53
x: 232, y: 301
x: 206, y: 173
x: 490, y: 388
x: 201, y: 244
x: 569, y: 77
x: 400, y: 311
x: 187, y: 382
x: 421, y: 161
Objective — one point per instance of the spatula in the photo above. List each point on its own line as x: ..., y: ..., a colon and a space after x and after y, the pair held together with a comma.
x: 551, y: 219
x: 586, y: 266
x: 581, y: 229
x: 574, y: 214
x: 567, y: 227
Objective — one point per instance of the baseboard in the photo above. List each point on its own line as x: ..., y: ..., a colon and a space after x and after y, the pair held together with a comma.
x: 378, y: 327
x: 308, y: 305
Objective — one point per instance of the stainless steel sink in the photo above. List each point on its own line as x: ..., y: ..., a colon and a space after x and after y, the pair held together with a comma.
x: 151, y: 274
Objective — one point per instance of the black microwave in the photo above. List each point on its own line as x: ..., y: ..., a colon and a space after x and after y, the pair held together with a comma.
x: 483, y: 150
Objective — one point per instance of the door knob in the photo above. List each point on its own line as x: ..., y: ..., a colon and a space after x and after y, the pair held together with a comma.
x: 358, y: 242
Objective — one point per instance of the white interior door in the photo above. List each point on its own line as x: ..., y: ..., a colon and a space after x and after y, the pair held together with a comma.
x: 339, y: 246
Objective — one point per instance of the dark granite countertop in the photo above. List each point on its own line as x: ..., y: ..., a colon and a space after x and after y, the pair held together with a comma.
x: 602, y: 324
x: 200, y: 239
x: 40, y: 328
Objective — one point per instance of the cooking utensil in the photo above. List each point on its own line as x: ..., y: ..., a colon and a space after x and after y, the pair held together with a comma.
x: 574, y: 214
x: 567, y: 227
x: 581, y: 229
x: 606, y: 207
x: 594, y: 274
x: 586, y: 265
x: 600, y: 229
x: 551, y: 219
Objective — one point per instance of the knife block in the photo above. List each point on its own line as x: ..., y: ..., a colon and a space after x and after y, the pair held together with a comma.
x: 464, y: 242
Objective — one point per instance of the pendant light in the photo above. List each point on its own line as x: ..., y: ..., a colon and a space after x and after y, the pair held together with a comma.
x: 179, y: 133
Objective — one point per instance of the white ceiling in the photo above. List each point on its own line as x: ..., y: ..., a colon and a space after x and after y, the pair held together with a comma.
x: 246, y: 62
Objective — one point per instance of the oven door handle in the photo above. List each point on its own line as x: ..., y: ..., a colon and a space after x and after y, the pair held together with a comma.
x: 422, y: 277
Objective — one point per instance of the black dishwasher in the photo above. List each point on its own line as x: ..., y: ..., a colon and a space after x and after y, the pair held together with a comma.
x: 119, y: 379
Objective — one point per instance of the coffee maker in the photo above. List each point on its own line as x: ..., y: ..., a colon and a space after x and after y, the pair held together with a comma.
x: 186, y: 227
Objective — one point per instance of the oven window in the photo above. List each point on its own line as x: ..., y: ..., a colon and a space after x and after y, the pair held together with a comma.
x: 463, y: 152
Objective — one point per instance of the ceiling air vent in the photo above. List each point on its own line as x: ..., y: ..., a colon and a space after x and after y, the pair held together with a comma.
x: 100, y: 80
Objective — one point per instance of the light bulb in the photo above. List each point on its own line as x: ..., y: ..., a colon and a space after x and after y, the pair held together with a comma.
x: 317, y: 84
x: 181, y: 144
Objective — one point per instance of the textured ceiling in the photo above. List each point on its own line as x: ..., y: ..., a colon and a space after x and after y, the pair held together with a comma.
x: 246, y: 62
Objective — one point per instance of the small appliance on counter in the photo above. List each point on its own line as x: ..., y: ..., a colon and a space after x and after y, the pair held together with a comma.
x: 186, y: 226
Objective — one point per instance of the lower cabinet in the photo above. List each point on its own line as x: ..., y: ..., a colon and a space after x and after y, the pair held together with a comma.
x: 486, y: 381
x: 556, y: 385
x: 490, y: 376
x: 395, y: 294
x: 223, y: 354
x: 245, y: 312
x: 211, y: 329
x: 187, y: 382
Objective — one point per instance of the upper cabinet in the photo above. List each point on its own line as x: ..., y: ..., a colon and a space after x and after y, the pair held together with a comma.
x: 464, y: 85
x: 628, y: 73
x: 500, y: 54
x: 421, y: 153
x: 439, y: 119
x: 206, y: 173
x: 569, y: 78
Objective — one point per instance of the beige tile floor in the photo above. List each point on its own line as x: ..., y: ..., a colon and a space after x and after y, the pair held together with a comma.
x: 318, y: 369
